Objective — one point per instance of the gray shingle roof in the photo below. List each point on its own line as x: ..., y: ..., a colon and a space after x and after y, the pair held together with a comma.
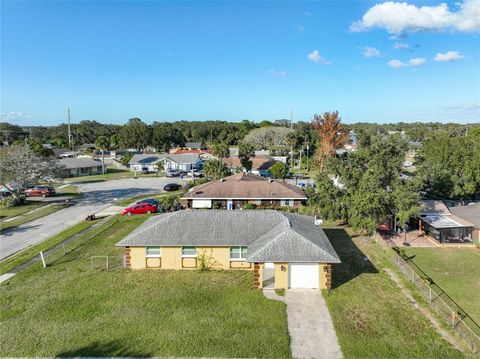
x: 70, y: 163
x: 269, y: 235
x: 470, y: 213
x: 145, y: 158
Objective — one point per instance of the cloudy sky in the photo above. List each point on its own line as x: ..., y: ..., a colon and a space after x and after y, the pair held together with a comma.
x: 163, y: 61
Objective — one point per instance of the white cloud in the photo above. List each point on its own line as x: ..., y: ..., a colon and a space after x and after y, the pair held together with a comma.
x: 417, y: 61
x: 401, y: 17
x: 317, y: 58
x: 14, y: 116
x: 275, y: 73
x: 448, y: 56
x: 401, y: 45
x: 371, y: 52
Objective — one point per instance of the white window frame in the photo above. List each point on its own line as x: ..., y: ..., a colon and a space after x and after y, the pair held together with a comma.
x: 243, y: 254
x: 189, y: 255
x: 153, y: 255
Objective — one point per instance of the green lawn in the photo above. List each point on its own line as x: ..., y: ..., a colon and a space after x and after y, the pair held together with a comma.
x: 31, y: 252
x: 113, y: 173
x: 9, y: 212
x: 70, y: 310
x: 456, y: 271
x: 373, y: 319
x: 68, y: 190
x: 42, y: 212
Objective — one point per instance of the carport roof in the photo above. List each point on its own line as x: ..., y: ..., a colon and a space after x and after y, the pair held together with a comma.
x: 269, y: 235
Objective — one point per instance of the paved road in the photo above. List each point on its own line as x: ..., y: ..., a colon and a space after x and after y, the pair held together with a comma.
x: 310, y: 325
x: 98, y: 196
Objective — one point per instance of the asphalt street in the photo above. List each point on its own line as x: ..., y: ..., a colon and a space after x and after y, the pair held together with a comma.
x: 97, y: 196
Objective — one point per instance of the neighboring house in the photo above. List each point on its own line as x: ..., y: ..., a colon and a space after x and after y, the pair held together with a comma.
x: 80, y: 166
x: 260, y: 164
x: 283, y: 250
x: 438, y: 223
x: 234, y: 192
x: 194, y: 146
x: 149, y: 162
x: 471, y: 214
x: 108, y: 156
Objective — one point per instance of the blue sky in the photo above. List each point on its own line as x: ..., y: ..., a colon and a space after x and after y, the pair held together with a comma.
x: 165, y: 61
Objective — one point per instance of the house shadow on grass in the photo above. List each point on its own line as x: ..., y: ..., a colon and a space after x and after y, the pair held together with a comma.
x: 99, y: 349
x: 354, y: 261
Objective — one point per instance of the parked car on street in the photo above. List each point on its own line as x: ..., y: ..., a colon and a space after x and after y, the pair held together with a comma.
x: 172, y: 187
x: 142, y: 208
x: 43, y: 191
x: 195, y: 173
x: 149, y: 201
x: 173, y: 173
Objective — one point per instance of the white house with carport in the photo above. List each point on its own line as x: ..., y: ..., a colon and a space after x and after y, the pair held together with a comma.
x: 150, y: 162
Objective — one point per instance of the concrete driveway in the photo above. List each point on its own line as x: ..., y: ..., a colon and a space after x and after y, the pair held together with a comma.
x: 310, y: 325
x: 98, y: 196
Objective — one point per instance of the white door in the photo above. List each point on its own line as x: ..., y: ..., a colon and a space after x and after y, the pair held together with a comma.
x: 303, y: 275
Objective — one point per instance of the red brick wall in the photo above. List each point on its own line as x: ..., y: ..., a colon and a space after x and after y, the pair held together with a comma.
x: 328, y: 277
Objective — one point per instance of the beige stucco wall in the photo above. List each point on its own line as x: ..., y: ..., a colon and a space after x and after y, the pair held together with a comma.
x: 281, y: 276
x: 171, y: 258
x: 137, y: 257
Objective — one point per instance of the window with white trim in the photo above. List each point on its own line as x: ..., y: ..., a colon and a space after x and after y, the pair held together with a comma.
x: 189, y: 251
x: 238, y: 253
x: 152, y: 251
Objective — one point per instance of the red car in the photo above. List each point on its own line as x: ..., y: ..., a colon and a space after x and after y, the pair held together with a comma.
x: 142, y: 208
x: 44, y: 191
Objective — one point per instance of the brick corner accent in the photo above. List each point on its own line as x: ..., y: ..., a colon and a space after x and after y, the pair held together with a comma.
x: 128, y: 257
x: 256, y: 275
x: 328, y: 276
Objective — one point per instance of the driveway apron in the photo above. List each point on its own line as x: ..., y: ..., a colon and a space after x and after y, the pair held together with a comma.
x: 310, y: 325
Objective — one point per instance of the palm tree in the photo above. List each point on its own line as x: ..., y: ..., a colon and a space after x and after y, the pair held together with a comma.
x: 215, y: 169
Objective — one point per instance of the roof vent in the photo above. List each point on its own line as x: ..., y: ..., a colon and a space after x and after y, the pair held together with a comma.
x: 318, y: 222
x: 270, y: 180
x: 222, y: 179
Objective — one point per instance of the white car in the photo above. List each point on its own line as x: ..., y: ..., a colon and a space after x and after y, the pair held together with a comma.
x: 195, y: 173
x: 173, y: 173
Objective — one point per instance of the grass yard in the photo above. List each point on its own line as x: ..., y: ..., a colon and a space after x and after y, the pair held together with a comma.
x: 113, y: 173
x: 28, y: 217
x: 373, y: 319
x: 31, y: 252
x: 71, y: 310
x: 456, y: 271
x: 9, y: 212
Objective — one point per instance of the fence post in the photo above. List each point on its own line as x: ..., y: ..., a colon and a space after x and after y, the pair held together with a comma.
x: 453, y: 319
x: 107, y: 263
x: 43, y: 259
x: 64, y: 252
x: 430, y: 295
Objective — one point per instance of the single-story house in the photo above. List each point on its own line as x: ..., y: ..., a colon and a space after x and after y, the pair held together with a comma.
x: 260, y: 164
x: 80, y: 166
x: 438, y: 223
x: 471, y: 214
x: 283, y: 250
x: 234, y: 192
x: 149, y: 162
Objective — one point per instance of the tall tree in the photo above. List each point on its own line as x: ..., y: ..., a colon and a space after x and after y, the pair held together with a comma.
x: 221, y: 150
x: 102, y: 143
x: 332, y: 134
x: 20, y: 165
x: 278, y: 170
x: 245, y: 152
x: 165, y: 135
x: 135, y: 134
x: 215, y: 169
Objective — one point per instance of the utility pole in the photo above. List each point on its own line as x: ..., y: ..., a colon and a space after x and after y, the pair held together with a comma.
x: 291, y: 144
x: 69, y: 133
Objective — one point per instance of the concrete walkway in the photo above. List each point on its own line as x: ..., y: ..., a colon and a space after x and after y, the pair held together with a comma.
x: 310, y: 325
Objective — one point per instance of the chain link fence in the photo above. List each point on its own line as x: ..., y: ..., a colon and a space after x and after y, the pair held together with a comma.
x: 108, y: 263
x: 50, y: 256
x: 458, y: 319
